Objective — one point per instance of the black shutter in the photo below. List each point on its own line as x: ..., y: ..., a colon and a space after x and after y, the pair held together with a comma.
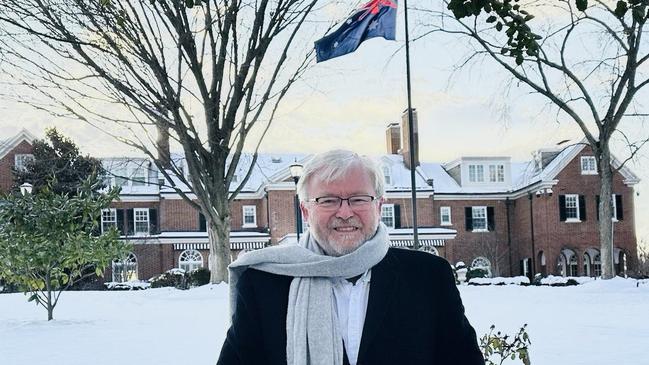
x: 153, y: 221
x: 397, y: 216
x: 491, y: 222
x: 202, y: 223
x: 582, y: 208
x: 618, y: 207
x: 597, y: 206
x: 120, y: 221
x: 468, y: 218
x: 562, y: 208
x: 130, y: 222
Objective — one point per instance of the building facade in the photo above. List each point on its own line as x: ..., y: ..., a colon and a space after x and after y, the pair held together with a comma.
x: 510, y: 218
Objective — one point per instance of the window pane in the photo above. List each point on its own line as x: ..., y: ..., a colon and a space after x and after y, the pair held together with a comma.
x: 479, y: 218
x: 138, y: 177
x: 572, y: 207
x: 387, y: 215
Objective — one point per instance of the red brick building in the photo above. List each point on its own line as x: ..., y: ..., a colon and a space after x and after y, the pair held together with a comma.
x: 485, y: 211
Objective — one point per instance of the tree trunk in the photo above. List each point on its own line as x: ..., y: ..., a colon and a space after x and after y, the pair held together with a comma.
x: 219, y: 237
x: 48, y: 304
x: 605, y: 212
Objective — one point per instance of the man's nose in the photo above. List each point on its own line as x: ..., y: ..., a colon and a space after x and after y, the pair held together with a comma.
x: 345, y: 210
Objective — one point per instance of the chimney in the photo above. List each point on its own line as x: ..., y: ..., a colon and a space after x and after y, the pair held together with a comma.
x: 405, y: 143
x: 163, y: 146
x: 393, y: 138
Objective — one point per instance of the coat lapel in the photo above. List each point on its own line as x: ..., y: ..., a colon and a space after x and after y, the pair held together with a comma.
x: 383, y: 284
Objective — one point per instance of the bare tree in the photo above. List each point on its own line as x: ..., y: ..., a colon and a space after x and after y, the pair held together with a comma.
x: 590, y: 64
x: 201, y: 73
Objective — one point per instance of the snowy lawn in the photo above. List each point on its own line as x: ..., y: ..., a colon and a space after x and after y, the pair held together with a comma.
x: 600, y: 322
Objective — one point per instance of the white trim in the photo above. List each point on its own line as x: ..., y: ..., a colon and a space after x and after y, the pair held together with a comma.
x: 486, y: 219
x: 572, y: 219
x: 581, y: 165
x: 243, y: 216
x: 441, y: 214
x: 389, y: 207
x: 113, y: 212
x: 9, y: 144
x: 21, y: 157
x: 135, y: 221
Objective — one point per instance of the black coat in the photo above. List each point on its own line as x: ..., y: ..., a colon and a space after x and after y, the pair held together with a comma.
x: 414, y: 316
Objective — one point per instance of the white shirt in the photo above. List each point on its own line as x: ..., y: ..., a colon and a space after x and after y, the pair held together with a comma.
x: 351, y: 307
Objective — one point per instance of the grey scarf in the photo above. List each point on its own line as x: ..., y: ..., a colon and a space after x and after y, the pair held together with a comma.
x: 311, y: 332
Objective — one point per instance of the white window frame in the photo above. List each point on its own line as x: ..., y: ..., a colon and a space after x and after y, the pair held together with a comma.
x: 476, y: 173
x: 590, y: 165
x: 387, y: 211
x: 188, y: 258
x: 120, y: 178
x: 109, y: 223
x: 474, y: 210
x: 613, y: 207
x: 136, y: 221
x: 387, y: 176
x: 249, y: 210
x: 140, y: 174
x: 442, y: 212
x: 20, y: 159
x: 496, y: 173
x: 130, y: 261
x: 576, y: 207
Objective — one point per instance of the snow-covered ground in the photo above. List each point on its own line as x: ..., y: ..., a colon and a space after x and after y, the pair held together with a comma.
x: 599, y: 322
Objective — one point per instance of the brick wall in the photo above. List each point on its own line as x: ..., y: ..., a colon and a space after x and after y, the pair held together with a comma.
x: 553, y: 235
x: 468, y: 245
x: 282, y: 213
x: 8, y: 162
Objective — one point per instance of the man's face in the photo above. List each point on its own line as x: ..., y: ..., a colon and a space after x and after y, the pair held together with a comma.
x: 341, y: 231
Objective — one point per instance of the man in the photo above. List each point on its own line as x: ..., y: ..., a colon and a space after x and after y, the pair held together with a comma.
x: 342, y: 296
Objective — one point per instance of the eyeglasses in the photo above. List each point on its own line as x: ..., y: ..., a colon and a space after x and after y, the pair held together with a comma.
x: 356, y: 202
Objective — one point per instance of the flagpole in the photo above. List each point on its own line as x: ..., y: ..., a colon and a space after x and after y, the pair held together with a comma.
x: 411, y: 137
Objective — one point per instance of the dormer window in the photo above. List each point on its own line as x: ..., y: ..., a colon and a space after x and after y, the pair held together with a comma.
x: 496, y: 173
x: 387, y: 177
x: 476, y: 173
x: 588, y: 165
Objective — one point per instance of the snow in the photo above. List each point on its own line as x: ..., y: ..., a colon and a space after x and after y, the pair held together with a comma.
x: 598, y: 322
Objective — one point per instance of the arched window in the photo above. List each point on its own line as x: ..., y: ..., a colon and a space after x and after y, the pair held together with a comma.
x: 126, y: 269
x: 587, y: 264
x: 481, y: 263
x: 429, y: 249
x: 572, y: 266
x: 190, y: 260
x: 597, y: 265
x: 567, y: 263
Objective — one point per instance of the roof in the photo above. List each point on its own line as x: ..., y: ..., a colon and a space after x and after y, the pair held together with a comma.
x: 8, y: 144
x: 273, y: 168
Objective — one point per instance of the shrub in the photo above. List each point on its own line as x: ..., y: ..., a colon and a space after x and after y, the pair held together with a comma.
x: 198, y: 277
x: 477, y: 272
x: 497, y: 347
x: 171, y: 278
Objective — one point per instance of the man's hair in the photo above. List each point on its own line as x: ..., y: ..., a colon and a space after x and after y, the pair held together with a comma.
x: 332, y: 165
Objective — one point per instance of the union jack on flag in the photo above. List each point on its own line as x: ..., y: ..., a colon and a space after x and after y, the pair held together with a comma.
x: 377, y: 18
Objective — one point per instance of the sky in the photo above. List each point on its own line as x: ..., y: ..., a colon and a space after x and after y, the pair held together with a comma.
x: 347, y: 102
x: 165, y: 326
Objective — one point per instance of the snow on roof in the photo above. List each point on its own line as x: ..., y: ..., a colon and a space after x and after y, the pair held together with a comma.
x: 272, y: 168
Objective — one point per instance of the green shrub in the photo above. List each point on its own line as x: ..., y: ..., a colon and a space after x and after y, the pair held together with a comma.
x: 477, y: 272
x: 198, y: 277
x: 497, y: 347
x: 171, y: 278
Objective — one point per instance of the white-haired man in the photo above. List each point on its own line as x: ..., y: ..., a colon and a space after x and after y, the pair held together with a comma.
x: 342, y: 296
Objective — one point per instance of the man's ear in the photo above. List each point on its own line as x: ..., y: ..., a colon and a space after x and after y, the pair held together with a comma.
x: 380, y: 204
x: 304, y: 210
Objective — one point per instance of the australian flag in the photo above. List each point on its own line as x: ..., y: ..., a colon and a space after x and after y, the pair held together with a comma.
x: 377, y: 18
